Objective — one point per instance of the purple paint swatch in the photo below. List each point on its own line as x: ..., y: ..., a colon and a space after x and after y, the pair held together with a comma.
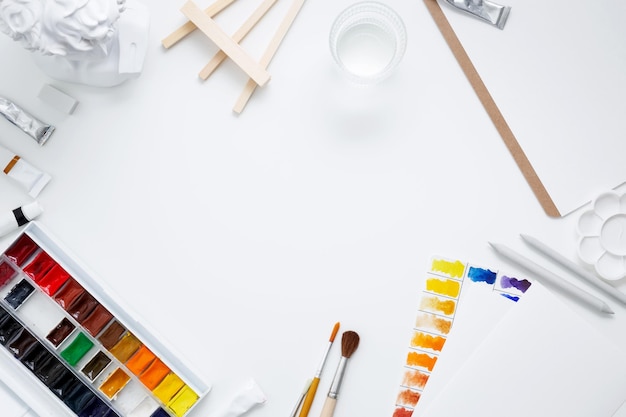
x: 510, y: 282
x: 481, y: 275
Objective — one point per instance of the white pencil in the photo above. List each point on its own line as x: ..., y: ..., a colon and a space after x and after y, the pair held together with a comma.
x: 552, y: 279
x: 574, y: 268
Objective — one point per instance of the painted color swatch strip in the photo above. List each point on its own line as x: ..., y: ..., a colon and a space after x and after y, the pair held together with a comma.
x: 437, y: 309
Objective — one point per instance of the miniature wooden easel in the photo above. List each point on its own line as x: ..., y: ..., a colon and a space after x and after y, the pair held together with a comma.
x: 229, y: 45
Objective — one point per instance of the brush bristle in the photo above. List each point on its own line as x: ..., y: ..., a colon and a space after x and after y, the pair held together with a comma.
x: 349, y: 343
x: 334, y: 332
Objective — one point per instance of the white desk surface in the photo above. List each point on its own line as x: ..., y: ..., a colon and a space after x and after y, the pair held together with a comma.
x: 243, y: 239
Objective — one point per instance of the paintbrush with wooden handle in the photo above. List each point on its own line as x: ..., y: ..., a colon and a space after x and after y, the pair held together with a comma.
x: 349, y: 344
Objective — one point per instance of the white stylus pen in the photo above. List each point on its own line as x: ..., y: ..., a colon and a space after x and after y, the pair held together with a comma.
x: 552, y: 279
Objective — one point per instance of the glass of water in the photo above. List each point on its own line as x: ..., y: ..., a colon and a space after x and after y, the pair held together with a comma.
x: 367, y: 41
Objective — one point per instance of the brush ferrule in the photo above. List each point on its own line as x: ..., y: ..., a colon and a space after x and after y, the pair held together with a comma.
x: 320, y: 367
x: 336, y: 384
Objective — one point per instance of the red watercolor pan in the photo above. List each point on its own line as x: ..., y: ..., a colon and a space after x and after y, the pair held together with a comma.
x: 53, y: 280
x: 95, y: 322
x: 21, y: 250
x: 39, y: 266
x: 69, y: 293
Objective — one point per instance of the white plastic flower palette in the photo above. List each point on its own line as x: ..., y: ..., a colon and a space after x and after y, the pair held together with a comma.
x: 602, y: 235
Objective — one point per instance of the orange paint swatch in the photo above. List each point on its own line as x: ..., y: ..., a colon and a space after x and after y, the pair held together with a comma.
x: 415, y: 379
x: 421, y: 359
x: 403, y: 412
x: 454, y: 269
x: 114, y: 383
x: 154, y: 374
x: 427, y: 341
x: 140, y: 360
x: 448, y: 287
x: 408, y: 397
x: 435, y: 304
x: 432, y: 322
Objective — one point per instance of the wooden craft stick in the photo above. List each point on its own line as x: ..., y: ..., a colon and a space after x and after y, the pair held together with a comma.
x: 225, y: 43
x: 188, y: 27
x: 269, y: 53
x: 238, y: 36
x: 492, y: 109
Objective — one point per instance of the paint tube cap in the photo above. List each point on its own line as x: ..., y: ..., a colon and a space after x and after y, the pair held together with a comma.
x: 32, y: 210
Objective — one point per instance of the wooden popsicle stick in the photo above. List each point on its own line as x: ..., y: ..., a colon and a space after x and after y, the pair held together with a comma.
x: 238, y: 36
x: 188, y: 27
x: 225, y: 43
x: 269, y: 53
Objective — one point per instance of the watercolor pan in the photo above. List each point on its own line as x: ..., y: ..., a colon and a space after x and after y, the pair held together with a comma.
x: 68, y: 349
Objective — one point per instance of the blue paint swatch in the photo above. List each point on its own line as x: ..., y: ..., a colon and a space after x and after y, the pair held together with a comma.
x: 510, y: 297
x: 520, y: 284
x: 481, y: 275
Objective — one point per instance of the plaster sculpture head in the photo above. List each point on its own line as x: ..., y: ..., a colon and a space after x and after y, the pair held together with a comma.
x: 94, y: 42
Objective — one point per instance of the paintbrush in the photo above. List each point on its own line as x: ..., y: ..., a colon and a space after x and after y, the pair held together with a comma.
x: 349, y: 343
x: 308, y: 400
x: 306, y: 388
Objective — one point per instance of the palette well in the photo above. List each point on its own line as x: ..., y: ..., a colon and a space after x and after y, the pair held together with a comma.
x: 72, y: 350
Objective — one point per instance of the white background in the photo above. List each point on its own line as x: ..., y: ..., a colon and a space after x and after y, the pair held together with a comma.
x: 243, y: 239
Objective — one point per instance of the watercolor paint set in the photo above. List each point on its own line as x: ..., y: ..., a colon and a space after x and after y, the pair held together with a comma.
x: 67, y: 348
x: 437, y: 309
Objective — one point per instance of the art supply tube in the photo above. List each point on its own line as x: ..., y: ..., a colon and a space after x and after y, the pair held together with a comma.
x: 249, y: 396
x: 30, y: 125
x: 19, y: 217
x: 30, y: 178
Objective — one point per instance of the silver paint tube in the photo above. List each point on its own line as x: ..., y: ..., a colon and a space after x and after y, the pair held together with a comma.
x: 32, y: 126
x: 487, y: 11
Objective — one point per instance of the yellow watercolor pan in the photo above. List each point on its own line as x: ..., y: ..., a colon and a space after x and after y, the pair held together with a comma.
x: 170, y: 385
x: 183, y: 401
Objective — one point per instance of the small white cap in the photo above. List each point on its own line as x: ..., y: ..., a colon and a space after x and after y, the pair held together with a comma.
x: 32, y: 210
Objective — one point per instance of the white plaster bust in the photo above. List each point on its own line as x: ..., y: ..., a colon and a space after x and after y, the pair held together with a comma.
x: 94, y: 42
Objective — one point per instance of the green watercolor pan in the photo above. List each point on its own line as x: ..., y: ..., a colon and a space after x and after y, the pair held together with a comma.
x: 68, y: 349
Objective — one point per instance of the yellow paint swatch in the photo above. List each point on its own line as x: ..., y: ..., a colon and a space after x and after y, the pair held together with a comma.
x: 453, y: 269
x: 435, y: 304
x: 183, y: 401
x: 114, y: 383
x: 432, y: 322
x: 170, y: 385
x: 427, y: 341
x: 448, y: 287
x: 421, y: 359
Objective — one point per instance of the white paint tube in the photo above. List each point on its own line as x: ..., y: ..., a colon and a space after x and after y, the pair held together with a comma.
x: 249, y: 396
x: 19, y: 217
x: 27, y: 176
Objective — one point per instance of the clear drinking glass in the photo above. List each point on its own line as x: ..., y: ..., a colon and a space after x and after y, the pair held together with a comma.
x: 367, y: 41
